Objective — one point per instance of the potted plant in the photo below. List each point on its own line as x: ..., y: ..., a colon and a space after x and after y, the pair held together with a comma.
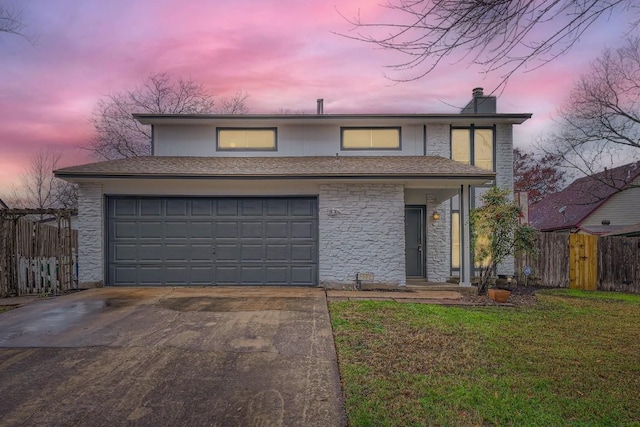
x: 496, y: 234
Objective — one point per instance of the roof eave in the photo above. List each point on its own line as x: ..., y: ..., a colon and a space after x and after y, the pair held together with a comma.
x: 154, y: 119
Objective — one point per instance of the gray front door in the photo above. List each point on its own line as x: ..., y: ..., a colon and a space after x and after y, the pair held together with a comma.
x: 414, y: 240
x: 205, y: 240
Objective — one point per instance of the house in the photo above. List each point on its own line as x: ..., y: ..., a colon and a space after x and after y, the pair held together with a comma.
x: 3, y: 205
x: 270, y: 199
x: 603, y: 203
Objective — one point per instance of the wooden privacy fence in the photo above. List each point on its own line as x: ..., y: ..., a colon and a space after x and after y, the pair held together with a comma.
x: 581, y: 261
x: 37, y: 258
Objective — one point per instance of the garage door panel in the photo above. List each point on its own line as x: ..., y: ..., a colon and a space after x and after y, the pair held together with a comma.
x: 174, y: 230
x: 228, y: 252
x: 202, y: 207
x: 252, y: 252
x: 277, y: 252
x: 227, y: 275
x: 302, y: 275
x: 276, y: 229
x: 201, y: 230
x: 251, y: 207
x: 276, y: 207
x: 201, y: 275
x: 302, y: 229
x: 226, y: 229
x: 201, y: 253
x: 123, y: 229
x: 227, y: 207
x: 176, y: 275
x: 150, y: 207
x: 125, y: 251
x: 302, y: 253
x: 277, y: 275
x: 125, y: 207
x: 151, y: 230
x: 251, y: 229
x: 151, y: 274
x: 251, y: 275
x: 151, y: 252
x: 177, y: 207
x: 201, y: 241
x: 125, y: 275
x: 303, y: 207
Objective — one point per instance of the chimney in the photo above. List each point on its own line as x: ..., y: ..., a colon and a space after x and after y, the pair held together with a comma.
x: 480, y: 103
x: 320, y: 106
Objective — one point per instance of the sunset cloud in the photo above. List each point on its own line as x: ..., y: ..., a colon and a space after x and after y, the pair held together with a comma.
x: 283, y: 53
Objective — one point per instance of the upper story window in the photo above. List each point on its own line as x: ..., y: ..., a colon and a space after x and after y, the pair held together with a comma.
x: 473, y: 145
x: 247, y: 139
x: 370, y: 138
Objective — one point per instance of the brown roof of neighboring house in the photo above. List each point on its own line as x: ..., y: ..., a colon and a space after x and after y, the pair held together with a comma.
x: 628, y: 230
x: 566, y: 209
x: 278, y: 167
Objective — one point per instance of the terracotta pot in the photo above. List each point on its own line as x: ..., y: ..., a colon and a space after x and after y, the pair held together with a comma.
x: 499, y: 295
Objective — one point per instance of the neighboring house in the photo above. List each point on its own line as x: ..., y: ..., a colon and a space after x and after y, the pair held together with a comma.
x: 293, y: 199
x: 3, y: 205
x: 603, y: 203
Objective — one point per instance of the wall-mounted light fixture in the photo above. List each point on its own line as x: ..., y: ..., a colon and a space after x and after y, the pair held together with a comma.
x: 435, y: 216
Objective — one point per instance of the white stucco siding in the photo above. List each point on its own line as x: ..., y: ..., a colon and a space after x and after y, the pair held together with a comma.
x: 292, y: 140
x: 361, y: 230
x: 90, y: 235
x: 621, y: 209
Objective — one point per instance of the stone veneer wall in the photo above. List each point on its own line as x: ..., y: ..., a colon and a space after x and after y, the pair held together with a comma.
x: 504, y: 176
x: 438, y: 240
x: 90, y: 235
x: 438, y: 232
x: 366, y: 234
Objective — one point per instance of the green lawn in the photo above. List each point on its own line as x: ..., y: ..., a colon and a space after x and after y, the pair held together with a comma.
x: 574, y: 359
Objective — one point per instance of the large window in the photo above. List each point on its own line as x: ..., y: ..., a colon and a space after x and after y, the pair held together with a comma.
x: 263, y: 139
x: 473, y: 146
x: 370, y: 138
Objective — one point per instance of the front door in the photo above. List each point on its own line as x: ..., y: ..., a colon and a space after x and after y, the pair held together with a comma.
x: 414, y: 240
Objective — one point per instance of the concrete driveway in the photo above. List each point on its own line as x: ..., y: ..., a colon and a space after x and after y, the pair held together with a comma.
x: 177, y: 356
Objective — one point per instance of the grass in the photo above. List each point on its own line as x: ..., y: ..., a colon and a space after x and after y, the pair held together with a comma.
x: 574, y: 359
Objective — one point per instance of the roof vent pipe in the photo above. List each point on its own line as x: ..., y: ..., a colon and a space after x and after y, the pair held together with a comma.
x: 320, y: 106
x: 478, y: 91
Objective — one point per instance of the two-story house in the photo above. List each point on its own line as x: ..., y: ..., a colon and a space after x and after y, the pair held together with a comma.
x: 269, y: 199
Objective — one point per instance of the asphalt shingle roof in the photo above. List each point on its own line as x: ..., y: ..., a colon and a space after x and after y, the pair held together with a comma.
x: 344, y: 166
x: 568, y: 208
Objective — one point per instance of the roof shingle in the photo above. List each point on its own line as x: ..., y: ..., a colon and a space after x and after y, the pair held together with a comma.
x: 345, y: 166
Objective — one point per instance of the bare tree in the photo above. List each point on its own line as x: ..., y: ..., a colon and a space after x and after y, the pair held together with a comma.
x: 10, y: 22
x: 237, y: 104
x: 38, y: 188
x: 502, y: 35
x: 118, y: 134
x: 599, y: 125
x: 538, y: 175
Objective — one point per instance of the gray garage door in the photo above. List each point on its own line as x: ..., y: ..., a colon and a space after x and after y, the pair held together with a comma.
x: 204, y: 241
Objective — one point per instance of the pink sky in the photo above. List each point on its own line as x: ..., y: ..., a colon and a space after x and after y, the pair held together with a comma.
x: 282, y: 52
